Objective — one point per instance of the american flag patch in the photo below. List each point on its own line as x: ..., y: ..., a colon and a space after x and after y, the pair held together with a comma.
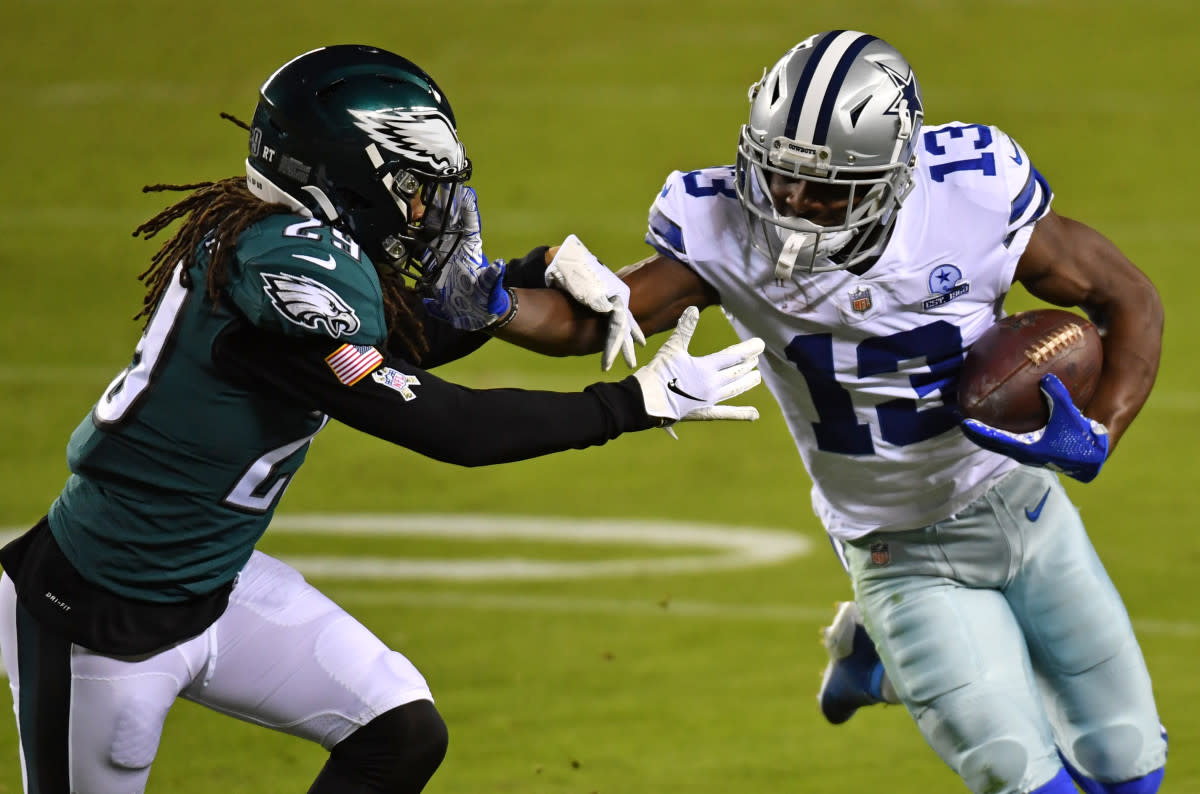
x: 351, y: 363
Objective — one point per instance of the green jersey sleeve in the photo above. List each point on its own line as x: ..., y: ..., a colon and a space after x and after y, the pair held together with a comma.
x: 300, y: 277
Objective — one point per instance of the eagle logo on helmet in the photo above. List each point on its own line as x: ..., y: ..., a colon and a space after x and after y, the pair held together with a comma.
x: 423, y: 136
x: 310, y: 304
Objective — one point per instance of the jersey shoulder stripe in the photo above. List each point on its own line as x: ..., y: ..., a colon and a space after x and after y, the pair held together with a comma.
x: 691, y: 199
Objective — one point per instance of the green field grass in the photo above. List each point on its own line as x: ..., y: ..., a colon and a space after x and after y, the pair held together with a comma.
x: 574, y: 112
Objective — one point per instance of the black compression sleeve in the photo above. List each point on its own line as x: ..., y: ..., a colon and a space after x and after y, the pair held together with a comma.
x: 528, y: 272
x: 417, y: 410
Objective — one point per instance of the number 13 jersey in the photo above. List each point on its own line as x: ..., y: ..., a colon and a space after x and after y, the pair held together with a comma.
x: 865, y: 368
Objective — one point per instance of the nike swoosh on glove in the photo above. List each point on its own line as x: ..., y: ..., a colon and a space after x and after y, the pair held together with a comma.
x: 1069, y: 443
x: 577, y: 272
x: 680, y: 387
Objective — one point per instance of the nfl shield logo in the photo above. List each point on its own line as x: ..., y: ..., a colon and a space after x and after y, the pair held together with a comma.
x: 880, y: 555
x: 860, y: 300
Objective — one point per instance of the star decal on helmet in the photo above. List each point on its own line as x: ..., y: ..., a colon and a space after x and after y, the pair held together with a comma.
x: 908, y: 100
x: 421, y: 135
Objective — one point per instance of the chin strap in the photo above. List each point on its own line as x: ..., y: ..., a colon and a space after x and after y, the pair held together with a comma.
x: 810, y: 246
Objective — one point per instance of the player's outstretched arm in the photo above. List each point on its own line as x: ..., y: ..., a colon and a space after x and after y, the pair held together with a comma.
x: 679, y: 387
x: 576, y: 271
x: 551, y: 323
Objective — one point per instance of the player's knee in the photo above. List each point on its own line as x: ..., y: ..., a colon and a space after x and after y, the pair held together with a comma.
x: 999, y: 764
x: 1109, y: 753
x: 396, y: 749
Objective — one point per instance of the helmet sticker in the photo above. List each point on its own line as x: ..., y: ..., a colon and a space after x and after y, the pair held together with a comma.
x: 423, y: 136
x: 310, y: 304
x: 908, y: 101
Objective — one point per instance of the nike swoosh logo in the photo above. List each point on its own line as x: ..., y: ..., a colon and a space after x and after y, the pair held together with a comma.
x: 1035, y: 513
x: 326, y: 263
x: 674, y: 386
x: 1016, y: 155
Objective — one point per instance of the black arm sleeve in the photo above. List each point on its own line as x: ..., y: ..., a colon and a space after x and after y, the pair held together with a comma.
x: 528, y: 272
x: 431, y: 416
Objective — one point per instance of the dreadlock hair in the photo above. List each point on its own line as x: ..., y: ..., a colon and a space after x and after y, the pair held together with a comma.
x: 216, y: 214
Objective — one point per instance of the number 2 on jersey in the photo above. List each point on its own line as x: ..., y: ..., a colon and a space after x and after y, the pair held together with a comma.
x: 260, y: 487
x: 900, y: 421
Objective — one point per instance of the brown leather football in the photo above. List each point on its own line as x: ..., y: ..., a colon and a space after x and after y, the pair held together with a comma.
x: 1000, y: 378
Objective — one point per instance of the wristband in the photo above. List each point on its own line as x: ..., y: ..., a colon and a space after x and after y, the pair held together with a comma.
x: 510, y: 316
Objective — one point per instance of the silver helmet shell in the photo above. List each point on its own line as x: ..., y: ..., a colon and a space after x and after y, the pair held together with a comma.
x: 842, y: 108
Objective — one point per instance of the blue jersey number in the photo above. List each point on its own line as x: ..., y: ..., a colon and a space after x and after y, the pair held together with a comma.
x: 697, y: 184
x: 900, y: 421
x: 985, y: 162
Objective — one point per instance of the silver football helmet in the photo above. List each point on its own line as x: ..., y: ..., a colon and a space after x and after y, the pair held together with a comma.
x: 837, y: 116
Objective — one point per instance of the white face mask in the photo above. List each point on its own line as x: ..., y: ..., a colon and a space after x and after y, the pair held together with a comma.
x: 806, y: 248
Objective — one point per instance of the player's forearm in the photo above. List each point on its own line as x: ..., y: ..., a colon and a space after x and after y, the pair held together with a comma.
x: 1132, y: 347
x: 548, y: 322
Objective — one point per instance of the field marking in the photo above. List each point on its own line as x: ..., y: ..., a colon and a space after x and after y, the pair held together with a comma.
x: 739, y: 547
x: 668, y: 607
x: 1175, y: 401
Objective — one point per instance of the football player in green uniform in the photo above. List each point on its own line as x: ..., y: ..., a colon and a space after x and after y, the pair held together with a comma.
x: 279, y: 303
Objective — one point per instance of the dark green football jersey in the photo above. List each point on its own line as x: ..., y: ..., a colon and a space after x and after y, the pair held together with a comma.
x: 176, y: 472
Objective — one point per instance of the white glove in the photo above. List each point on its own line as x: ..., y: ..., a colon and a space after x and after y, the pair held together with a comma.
x: 577, y: 272
x: 683, y: 388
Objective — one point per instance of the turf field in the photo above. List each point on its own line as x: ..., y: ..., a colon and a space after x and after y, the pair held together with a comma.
x: 635, y: 652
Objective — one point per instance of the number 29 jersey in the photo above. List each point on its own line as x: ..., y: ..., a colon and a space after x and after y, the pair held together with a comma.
x: 177, y: 470
x: 865, y: 368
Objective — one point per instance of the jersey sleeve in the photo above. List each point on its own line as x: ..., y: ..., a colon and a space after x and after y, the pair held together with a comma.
x: 665, y: 231
x: 298, y: 277
x: 1029, y: 192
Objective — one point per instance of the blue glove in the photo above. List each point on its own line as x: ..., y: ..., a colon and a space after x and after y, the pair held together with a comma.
x: 469, y: 292
x: 1069, y: 443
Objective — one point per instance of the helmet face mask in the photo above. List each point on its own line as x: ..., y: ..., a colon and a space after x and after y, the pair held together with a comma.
x: 841, y: 111
x: 365, y: 140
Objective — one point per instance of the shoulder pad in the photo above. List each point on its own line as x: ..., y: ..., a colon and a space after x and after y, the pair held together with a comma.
x: 300, y: 277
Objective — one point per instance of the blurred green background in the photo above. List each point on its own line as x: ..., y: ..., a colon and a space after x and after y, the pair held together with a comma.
x: 573, y: 113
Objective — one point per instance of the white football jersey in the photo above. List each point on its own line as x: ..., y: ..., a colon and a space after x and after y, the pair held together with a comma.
x: 866, y: 367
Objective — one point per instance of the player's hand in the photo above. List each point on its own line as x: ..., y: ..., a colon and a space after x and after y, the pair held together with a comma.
x: 577, y: 272
x: 1070, y: 442
x: 679, y: 387
x: 469, y: 291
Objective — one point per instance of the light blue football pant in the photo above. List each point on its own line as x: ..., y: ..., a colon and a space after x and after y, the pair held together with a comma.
x: 1005, y: 639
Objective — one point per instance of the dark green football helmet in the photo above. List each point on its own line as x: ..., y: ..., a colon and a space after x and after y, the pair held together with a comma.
x: 353, y: 134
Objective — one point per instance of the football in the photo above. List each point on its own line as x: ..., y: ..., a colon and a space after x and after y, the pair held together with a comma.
x: 999, y: 384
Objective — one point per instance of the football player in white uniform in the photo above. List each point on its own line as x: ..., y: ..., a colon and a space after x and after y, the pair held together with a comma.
x: 870, y: 251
